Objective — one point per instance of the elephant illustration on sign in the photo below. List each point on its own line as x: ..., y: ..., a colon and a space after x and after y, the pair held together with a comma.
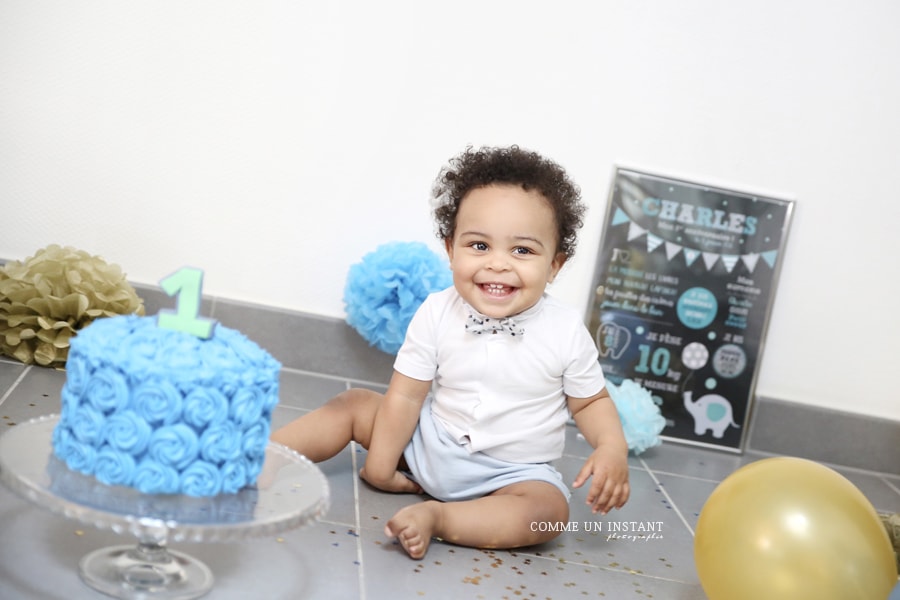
x: 710, y: 412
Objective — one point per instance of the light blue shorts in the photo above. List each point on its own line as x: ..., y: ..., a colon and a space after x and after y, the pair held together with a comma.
x: 447, y: 471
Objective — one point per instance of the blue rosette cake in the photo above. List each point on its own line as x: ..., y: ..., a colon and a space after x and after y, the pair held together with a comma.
x: 164, y: 411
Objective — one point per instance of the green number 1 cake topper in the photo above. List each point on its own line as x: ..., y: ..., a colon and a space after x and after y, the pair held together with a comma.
x: 187, y: 284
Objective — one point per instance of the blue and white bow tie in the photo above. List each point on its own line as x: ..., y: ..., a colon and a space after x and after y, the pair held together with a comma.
x: 479, y: 324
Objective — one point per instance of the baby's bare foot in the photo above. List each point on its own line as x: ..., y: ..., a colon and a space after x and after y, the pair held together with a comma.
x: 414, y: 525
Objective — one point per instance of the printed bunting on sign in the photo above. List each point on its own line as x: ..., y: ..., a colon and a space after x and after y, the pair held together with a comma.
x: 729, y: 261
x: 685, y: 280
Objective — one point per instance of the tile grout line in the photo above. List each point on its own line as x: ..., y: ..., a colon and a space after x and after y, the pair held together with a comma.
x: 888, y: 483
x: 15, y: 384
x: 668, y: 497
x: 359, y: 549
x: 330, y: 377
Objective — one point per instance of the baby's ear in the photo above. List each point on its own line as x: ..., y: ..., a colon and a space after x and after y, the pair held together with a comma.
x: 556, y: 265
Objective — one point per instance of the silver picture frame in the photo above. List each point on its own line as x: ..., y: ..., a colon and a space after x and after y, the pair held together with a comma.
x: 683, y: 290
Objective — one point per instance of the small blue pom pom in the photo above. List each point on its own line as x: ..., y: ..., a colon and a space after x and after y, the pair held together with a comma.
x: 388, y: 286
x: 639, y: 413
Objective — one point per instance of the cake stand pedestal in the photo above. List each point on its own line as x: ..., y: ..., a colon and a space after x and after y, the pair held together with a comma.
x: 291, y: 492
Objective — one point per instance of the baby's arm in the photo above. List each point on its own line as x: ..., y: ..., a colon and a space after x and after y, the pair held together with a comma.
x: 395, y: 423
x: 598, y: 420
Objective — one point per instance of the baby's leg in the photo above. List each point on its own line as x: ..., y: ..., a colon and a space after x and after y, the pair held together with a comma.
x: 327, y: 430
x: 507, y: 518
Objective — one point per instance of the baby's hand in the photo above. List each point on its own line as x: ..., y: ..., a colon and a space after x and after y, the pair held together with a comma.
x: 610, y: 488
x: 397, y: 483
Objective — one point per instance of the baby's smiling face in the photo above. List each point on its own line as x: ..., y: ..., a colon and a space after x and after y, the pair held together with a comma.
x: 504, y: 250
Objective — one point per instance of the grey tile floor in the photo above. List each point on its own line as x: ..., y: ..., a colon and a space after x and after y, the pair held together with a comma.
x: 346, y: 554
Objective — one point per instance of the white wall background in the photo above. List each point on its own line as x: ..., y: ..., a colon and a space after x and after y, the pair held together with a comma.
x: 274, y: 143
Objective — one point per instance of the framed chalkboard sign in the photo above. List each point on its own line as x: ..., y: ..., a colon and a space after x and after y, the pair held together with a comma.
x: 683, y: 289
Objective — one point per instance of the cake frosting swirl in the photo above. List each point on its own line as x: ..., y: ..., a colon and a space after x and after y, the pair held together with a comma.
x: 164, y: 411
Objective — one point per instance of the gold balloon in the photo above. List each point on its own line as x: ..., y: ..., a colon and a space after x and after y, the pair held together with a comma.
x: 791, y: 529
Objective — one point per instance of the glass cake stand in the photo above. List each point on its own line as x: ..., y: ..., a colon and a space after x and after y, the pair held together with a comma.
x: 290, y: 492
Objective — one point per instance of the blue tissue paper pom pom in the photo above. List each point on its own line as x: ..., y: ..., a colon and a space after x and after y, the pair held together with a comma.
x: 639, y: 413
x: 384, y: 291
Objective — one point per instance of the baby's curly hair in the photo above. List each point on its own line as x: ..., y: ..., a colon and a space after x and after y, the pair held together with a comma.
x: 478, y: 168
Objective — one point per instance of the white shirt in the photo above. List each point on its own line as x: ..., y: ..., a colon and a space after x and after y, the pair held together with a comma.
x: 494, y: 393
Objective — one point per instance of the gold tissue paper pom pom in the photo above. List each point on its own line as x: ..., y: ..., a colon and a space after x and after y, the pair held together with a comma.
x: 48, y: 298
